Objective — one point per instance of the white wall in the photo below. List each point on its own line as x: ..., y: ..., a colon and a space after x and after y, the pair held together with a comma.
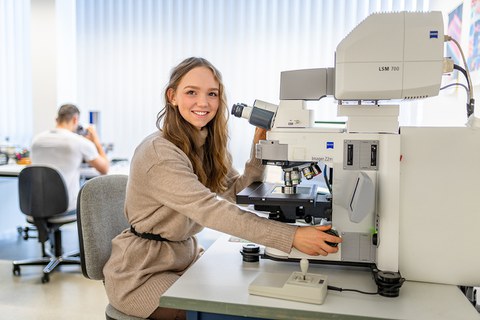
x: 44, y: 64
x: 15, y: 73
x: 66, y: 52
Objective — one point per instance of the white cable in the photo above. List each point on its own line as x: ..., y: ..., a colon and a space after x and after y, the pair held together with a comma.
x: 449, y: 38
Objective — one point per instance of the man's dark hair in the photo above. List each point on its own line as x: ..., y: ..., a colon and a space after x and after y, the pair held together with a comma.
x: 66, y: 113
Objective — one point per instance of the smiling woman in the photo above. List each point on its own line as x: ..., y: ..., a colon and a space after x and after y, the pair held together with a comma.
x: 196, y: 97
x: 175, y: 177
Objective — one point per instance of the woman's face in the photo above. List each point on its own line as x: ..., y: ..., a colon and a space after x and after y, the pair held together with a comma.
x: 197, y: 96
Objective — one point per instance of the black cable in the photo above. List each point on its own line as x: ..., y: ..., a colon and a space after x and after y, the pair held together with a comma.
x: 394, y: 287
x: 351, y: 290
x: 329, y: 186
x: 454, y: 84
x: 466, y: 73
x: 462, y: 70
x: 470, y: 99
x: 388, y: 284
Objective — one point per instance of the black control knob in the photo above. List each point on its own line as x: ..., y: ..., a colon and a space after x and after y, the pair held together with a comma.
x: 333, y: 232
x: 375, y: 239
x: 250, y: 252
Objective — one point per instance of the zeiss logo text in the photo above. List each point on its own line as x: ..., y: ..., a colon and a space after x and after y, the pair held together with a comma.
x: 433, y: 34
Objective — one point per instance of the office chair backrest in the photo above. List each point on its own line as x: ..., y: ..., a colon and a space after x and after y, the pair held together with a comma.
x: 42, y: 192
x: 100, y: 217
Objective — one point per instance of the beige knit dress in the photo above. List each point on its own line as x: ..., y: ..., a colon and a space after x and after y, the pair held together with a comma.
x: 165, y: 197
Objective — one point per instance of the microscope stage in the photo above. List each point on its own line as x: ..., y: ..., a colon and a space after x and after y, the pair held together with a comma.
x: 272, y: 193
x: 307, y: 203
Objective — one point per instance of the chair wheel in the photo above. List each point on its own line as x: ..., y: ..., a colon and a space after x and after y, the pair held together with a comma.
x: 45, y: 278
x: 16, y: 270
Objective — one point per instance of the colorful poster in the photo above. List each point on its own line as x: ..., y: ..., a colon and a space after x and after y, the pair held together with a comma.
x: 455, y: 31
x: 473, y: 59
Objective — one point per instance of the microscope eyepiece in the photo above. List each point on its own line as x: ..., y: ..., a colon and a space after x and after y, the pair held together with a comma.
x: 237, y: 109
x: 261, y: 114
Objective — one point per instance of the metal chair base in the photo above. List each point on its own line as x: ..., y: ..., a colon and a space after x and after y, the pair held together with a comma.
x: 50, y: 262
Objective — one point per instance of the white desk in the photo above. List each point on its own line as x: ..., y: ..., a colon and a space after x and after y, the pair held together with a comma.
x: 116, y: 167
x: 11, y: 170
x: 218, y: 284
x: 121, y: 167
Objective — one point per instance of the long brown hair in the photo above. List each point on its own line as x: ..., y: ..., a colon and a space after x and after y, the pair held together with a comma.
x: 213, y: 168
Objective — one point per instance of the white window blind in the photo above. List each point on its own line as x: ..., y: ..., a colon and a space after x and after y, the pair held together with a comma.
x: 125, y: 50
x: 115, y: 56
x: 15, y: 73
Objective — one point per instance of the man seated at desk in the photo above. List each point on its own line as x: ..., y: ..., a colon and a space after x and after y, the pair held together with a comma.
x: 65, y: 150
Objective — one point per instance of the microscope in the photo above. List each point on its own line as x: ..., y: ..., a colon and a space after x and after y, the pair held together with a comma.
x: 387, y: 58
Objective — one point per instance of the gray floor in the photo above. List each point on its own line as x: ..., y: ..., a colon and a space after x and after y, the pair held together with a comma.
x: 68, y: 295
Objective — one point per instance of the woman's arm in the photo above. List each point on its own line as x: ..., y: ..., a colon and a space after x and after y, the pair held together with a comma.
x: 254, y: 170
x: 260, y: 134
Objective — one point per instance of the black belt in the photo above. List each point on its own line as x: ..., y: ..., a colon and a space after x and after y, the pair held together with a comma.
x: 149, y: 236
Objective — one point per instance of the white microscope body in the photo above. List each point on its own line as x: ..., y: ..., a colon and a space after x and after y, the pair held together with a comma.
x: 385, y: 215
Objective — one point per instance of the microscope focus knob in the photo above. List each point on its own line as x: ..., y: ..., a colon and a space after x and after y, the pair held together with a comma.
x: 333, y: 232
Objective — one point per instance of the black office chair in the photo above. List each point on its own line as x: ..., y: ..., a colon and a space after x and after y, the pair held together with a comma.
x: 43, y: 198
x: 100, y: 218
